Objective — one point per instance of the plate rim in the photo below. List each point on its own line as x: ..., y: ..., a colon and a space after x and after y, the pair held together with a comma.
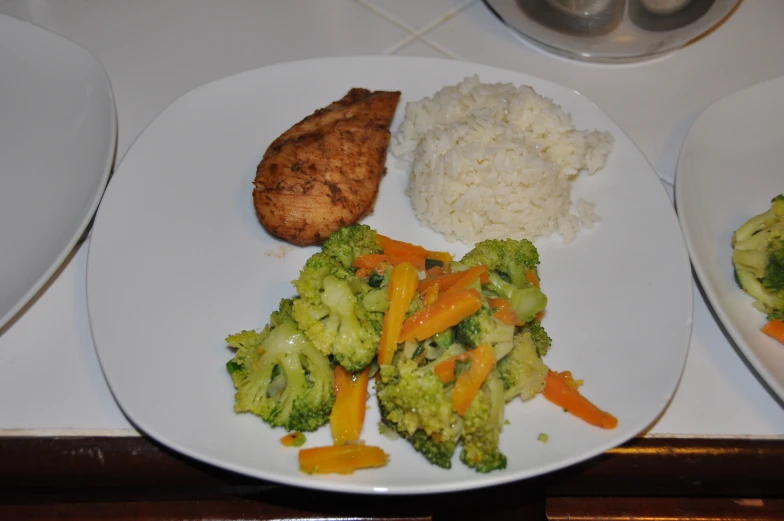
x: 481, y: 481
x: 40, y: 285
x: 772, y: 384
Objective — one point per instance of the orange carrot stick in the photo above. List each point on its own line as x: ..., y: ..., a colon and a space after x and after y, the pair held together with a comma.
x: 400, y: 248
x: 531, y: 277
x: 414, y: 260
x: 364, y: 273
x: 558, y: 389
x: 341, y: 459
x: 774, y: 329
x: 430, y: 295
x: 504, y: 311
x: 374, y: 260
x: 402, y: 288
x: 445, y: 312
x: 371, y: 260
x: 468, y: 383
x: 348, y: 413
x: 456, y: 280
x: 445, y: 371
x: 437, y: 271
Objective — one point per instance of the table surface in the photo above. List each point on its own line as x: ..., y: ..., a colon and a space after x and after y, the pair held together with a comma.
x: 156, y: 50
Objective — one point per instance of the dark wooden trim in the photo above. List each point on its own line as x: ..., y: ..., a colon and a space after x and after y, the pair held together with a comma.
x: 133, y: 477
x: 663, y: 509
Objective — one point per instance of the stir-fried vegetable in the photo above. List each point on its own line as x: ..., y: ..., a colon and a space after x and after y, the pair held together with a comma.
x: 449, y: 342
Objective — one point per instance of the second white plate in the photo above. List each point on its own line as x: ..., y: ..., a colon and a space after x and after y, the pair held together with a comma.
x: 178, y: 260
x: 728, y: 171
x: 57, y: 136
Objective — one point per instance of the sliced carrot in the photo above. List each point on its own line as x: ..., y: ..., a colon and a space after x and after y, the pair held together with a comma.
x: 468, y: 383
x: 445, y: 371
x: 774, y: 329
x: 375, y: 260
x: 348, y: 413
x: 560, y: 390
x: 341, y: 459
x: 414, y: 260
x: 430, y: 295
x: 538, y: 317
x: 371, y: 260
x: 437, y: 271
x: 457, y: 280
x: 405, y: 249
x: 402, y: 288
x: 364, y: 273
x: 531, y: 277
x: 445, y: 312
x: 293, y: 439
x: 504, y: 311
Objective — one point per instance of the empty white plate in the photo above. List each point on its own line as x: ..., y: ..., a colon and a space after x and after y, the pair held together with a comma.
x: 57, y: 140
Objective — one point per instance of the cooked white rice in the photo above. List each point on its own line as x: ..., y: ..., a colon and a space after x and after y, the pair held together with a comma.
x: 493, y: 161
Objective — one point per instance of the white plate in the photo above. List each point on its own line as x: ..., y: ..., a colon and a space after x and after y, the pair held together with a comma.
x: 729, y: 169
x: 178, y: 260
x: 57, y: 140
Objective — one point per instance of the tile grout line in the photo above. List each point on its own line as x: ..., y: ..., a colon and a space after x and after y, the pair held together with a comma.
x: 399, y: 45
x: 438, y: 47
x: 435, y: 23
x: 416, y: 34
x: 388, y: 17
x: 449, y: 54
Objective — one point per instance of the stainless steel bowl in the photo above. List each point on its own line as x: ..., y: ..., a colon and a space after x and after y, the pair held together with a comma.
x: 611, y: 31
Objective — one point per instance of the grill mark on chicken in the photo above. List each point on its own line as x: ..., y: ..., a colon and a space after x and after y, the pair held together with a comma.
x: 323, y: 173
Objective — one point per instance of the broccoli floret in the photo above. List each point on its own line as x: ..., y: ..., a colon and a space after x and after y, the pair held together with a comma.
x: 417, y: 405
x: 350, y: 242
x: 508, y: 262
x: 510, y: 258
x: 280, y: 376
x: 526, y: 301
x: 337, y: 324
x: 330, y: 309
x: 522, y: 370
x: 758, y: 258
x: 539, y: 336
x: 483, y: 328
x: 482, y: 426
x: 444, y: 339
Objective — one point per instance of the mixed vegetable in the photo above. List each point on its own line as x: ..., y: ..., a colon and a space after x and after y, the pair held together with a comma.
x: 758, y: 258
x: 447, y: 344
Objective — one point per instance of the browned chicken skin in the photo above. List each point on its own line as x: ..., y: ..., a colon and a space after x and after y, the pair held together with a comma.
x: 323, y: 173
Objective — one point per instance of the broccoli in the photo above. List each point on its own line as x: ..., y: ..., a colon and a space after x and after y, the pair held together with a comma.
x: 482, y: 426
x: 280, y: 376
x: 331, y: 309
x: 508, y: 262
x: 444, y: 339
x: 526, y: 301
x: 758, y: 259
x: 483, y: 328
x: 522, y: 370
x: 415, y: 403
x: 510, y: 258
x: 350, y: 242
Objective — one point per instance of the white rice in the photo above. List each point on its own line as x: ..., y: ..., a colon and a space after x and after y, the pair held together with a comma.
x: 495, y: 161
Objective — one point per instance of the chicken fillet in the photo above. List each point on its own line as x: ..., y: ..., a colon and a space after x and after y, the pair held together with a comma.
x: 324, y: 172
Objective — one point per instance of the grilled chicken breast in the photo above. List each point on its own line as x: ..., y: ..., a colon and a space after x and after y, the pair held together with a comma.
x: 323, y: 173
